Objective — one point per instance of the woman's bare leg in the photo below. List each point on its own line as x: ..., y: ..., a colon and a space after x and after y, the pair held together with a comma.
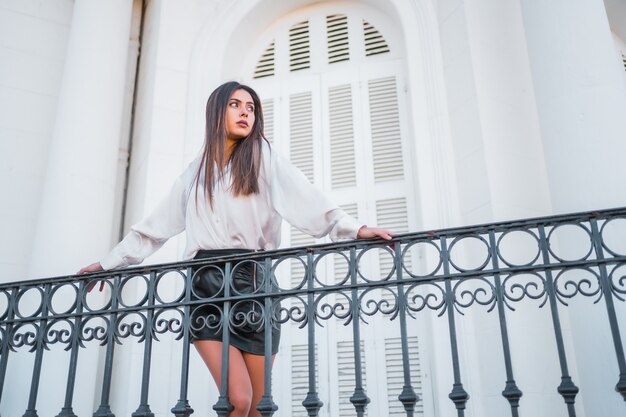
x: 246, y: 372
x: 240, y: 388
x: 256, y: 371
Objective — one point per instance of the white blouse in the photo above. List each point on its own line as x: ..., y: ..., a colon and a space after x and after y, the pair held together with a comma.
x: 242, y: 222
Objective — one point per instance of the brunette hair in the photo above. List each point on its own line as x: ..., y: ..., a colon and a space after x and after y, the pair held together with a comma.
x: 245, y: 158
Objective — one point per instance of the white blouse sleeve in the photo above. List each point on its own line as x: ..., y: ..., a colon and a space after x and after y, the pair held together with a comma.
x: 145, y: 237
x: 304, y: 206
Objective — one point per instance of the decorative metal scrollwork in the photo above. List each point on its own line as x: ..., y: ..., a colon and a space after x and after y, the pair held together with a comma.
x: 519, y: 286
x: 426, y: 295
x: 474, y: 291
x: 569, y: 283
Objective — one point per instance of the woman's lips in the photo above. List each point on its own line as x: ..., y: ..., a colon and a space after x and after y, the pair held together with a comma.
x: 242, y: 123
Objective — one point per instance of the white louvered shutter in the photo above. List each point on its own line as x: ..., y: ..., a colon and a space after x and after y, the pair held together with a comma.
x: 299, y: 47
x: 266, y: 64
x: 268, y: 118
x: 392, y: 214
x: 340, y: 263
x: 375, y: 43
x: 337, y: 112
x: 337, y: 38
x: 301, y: 133
x: 300, y: 378
x: 395, y: 374
x: 301, y: 155
x: 298, y: 270
x: 346, y: 376
x: 341, y: 114
x: 385, y: 125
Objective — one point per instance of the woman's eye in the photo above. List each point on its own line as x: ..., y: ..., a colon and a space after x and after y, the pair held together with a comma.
x: 233, y: 104
x: 250, y: 108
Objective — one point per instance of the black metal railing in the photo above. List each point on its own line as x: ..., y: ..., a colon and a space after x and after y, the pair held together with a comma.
x: 547, y: 260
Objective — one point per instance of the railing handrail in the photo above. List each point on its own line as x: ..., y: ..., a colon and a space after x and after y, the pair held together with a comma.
x: 343, y: 245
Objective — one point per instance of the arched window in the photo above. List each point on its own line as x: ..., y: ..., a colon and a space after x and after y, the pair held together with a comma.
x: 334, y: 102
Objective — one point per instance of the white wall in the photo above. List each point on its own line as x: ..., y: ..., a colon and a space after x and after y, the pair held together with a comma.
x: 581, y: 102
x: 33, y: 41
x: 501, y: 175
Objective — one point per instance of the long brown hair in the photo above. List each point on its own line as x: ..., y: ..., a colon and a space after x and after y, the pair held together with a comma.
x: 245, y: 158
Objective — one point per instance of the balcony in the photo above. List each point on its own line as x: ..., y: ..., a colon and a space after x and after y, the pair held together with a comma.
x: 501, y: 270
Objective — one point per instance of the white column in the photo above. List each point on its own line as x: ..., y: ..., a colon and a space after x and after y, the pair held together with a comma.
x: 501, y: 176
x: 77, y: 204
x: 581, y: 100
x: 75, y: 219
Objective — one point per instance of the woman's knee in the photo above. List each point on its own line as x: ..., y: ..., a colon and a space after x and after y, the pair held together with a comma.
x: 241, y: 402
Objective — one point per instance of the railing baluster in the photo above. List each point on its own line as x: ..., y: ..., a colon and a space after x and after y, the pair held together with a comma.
x: 31, y: 411
x: 312, y: 402
x: 6, y: 340
x: 567, y: 388
x: 223, y: 407
x: 620, y: 387
x: 16, y: 333
x: 144, y: 408
x: 104, y: 410
x: 511, y: 392
x: 407, y: 397
x: 182, y: 408
x: 359, y: 399
x: 266, y: 406
x: 458, y: 395
x: 67, y: 410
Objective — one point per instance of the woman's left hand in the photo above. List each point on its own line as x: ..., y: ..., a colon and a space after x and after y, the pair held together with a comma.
x: 369, y: 232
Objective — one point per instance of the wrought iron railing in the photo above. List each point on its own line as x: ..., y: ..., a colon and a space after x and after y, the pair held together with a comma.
x: 546, y: 260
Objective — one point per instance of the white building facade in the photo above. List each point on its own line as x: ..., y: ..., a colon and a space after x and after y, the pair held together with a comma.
x: 410, y: 114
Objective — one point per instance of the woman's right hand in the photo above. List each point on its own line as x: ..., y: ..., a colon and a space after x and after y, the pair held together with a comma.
x: 94, y: 267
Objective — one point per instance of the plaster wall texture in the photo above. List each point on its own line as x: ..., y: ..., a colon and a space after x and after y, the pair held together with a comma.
x: 581, y: 100
x: 33, y: 42
x: 488, y: 111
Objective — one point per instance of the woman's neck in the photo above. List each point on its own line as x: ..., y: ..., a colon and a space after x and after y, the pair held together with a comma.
x: 230, y: 146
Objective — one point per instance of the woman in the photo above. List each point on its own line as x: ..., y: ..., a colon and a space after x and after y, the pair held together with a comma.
x: 232, y: 199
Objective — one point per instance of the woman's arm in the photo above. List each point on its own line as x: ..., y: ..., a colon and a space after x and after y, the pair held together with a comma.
x: 307, y: 208
x: 145, y: 237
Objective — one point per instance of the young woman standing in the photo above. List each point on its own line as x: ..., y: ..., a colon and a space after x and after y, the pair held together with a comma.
x: 232, y: 199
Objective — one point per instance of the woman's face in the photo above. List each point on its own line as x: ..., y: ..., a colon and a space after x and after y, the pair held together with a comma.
x: 239, y: 115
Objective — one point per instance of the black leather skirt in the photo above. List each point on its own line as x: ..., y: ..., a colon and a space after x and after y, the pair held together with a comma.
x: 246, y: 318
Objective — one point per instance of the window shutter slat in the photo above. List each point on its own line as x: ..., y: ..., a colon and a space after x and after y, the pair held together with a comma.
x: 395, y: 374
x: 300, y: 378
x: 337, y: 37
x: 268, y: 119
x: 301, y: 133
x: 299, y: 238
x: 346, y: 374
x: 265, y: 66
x: 299, y: 47
x: 385, y: 126
x: 392, y: 214
x: 342, y: 164
x: 375, y: 44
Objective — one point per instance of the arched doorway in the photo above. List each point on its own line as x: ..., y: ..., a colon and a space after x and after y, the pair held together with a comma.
x: 333, y: 87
